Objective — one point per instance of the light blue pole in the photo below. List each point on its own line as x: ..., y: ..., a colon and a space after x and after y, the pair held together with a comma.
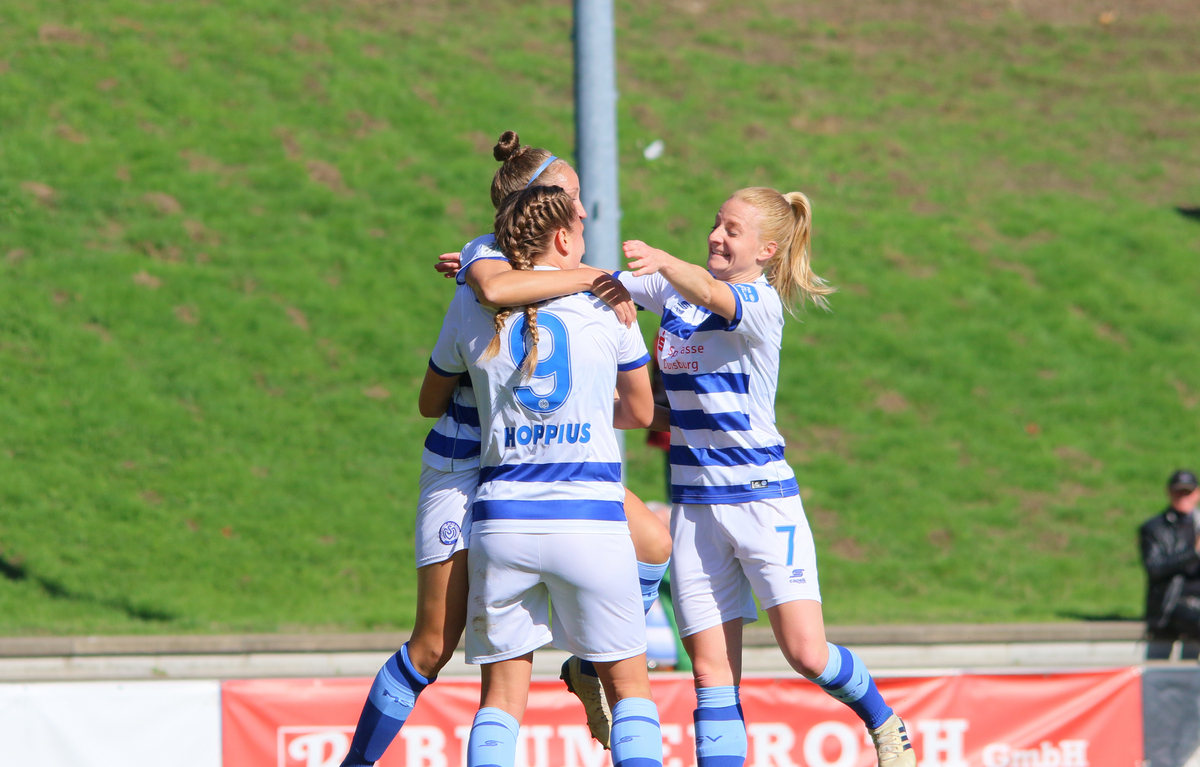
x: 596, y: 134
x: 596, y: 130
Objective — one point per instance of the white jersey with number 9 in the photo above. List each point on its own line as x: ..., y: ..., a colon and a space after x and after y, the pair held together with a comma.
x: 549, y: 460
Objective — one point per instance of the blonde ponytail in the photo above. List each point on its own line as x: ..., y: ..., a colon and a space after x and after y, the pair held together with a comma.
x: 786, y: 219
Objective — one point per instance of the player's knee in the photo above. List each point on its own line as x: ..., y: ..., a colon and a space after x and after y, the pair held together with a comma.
x: 807, y: 658
x: 429, y: 654
x: 711, y: 672
x: 654, y: 546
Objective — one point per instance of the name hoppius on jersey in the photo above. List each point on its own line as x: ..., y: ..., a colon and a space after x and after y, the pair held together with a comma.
x: 551, y: 432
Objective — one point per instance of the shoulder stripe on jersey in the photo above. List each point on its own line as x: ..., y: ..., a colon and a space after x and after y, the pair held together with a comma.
x: 733, y: 493
x: 698, y: 419
x: 737, y: 312
x: 467, y: 416
x: 604, y: 511
x: 443, y: 373
x: 707, y: 383
x: 551, y: 472
x: 681, y: 455
x: 449, y: 447
x: 638, y: 363
x: 673, y: 323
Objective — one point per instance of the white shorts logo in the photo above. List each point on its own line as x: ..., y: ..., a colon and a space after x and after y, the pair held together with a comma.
x: 448, y: 534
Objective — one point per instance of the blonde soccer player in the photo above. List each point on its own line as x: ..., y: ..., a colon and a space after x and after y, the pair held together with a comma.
x: 551, y: 559
x: 737, y: 523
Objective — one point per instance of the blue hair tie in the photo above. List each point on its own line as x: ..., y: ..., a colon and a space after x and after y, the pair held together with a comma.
x: 539, y: 170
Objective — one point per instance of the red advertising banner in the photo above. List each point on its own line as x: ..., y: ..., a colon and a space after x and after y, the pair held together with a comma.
x: 1045, y: 720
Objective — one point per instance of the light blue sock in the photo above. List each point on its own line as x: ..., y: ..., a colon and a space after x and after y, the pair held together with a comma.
x: 391, y: 699
x: 846, y: 678
x: 720, y: 728
x: 636, y: 734
x: 651, y: 576
x: 493, y: 740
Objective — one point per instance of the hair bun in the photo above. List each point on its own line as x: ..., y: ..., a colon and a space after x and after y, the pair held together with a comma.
x: 507, y: 147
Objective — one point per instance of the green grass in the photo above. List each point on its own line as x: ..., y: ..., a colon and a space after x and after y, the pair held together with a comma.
x: 216, y: 310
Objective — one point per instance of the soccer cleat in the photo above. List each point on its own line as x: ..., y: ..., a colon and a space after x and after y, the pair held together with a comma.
x: 892, y: 744
x: 590, y: 692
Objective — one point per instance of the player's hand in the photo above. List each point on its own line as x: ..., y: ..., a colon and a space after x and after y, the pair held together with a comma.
x: 644, y: 259
x: 448, y: 264
x: 610, y: 290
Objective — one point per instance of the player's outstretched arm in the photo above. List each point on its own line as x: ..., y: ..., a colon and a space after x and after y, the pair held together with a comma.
x: 634, y: 406
x: 497, y: 284
x: 436, y: 392
x: 693, y: 282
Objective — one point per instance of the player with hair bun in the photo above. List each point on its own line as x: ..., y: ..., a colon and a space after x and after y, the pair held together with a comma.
x: 450, y: 474
x: 549, y: 516
x: 737, y: 523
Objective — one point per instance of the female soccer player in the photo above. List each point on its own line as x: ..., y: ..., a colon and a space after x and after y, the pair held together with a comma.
x: 450, y: 474
x: 548, y: 518
x: 737, y: 523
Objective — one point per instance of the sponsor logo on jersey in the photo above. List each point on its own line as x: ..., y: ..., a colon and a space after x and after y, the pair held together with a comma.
x: 747, y: 292
x: 669, y: 354
x: 759, y: 484
x: 797, y: 576
x: 449, y: 532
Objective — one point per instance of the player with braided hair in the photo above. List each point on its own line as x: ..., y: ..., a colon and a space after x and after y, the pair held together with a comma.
x: 499, y: 282
x: 450, y: 474
x: 549, y: 520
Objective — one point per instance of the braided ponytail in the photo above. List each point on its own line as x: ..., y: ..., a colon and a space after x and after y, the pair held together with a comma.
x: 525, y: 223
x: 786, y: 219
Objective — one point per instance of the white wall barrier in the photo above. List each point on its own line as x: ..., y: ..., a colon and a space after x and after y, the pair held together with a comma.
x: 110, y: 724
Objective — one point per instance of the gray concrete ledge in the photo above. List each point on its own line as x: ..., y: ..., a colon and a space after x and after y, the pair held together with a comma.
x: 756, y: 636
x: 883, y: 660
x: 970, y: 633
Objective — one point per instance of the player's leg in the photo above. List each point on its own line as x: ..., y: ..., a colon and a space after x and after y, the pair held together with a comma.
x: 441, y: 614
x: 712, y: 601
x: 598, y: 617
x: 636, y: 732
x: 509, y: 617
x: 502, y: 701
x: 777, y: 553
x: 652, y: 546
x: 443, y: 523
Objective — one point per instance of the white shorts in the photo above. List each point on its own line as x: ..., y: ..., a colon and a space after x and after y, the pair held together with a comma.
x: 444, y: 513
x: 722, y: 552
x: 591, y: 578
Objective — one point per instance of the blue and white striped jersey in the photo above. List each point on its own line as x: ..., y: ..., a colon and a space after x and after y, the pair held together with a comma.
x: 453, y: 442
x: 549, y: 461
x: 720, y: 378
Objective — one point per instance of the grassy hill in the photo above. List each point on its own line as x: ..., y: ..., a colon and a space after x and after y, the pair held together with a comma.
x: 216, y: 301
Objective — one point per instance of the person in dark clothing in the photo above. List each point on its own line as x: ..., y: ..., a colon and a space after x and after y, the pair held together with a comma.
x: 1171, y: 556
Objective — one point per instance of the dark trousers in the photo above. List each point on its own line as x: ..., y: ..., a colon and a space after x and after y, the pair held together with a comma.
x: 1184, y: 625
